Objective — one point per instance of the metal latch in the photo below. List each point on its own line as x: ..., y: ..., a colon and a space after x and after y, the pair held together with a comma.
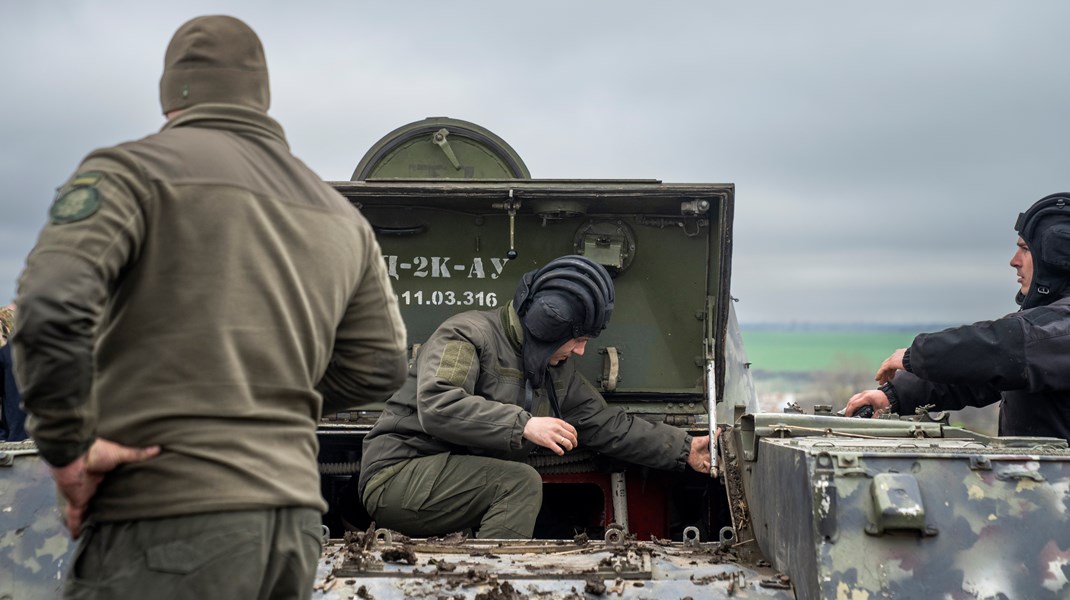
x: 511, y: 206
x: 440, y: 140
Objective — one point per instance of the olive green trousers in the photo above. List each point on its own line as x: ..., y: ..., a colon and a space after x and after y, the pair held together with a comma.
x: 256, y: 554
x: 441, y: 494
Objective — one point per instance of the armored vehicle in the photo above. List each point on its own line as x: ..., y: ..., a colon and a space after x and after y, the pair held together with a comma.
x: 460, y: 220
x: 796, y: 506
x: 799, y: 506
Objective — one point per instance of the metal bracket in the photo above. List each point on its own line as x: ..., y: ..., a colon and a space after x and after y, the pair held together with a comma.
x: 615, y: 536
x: 610, y: 368
x: 691, y: 537
x: 694, y: 207
x: 896, y: 504
x: 439, y: 139
x: 384, y: 536
x: 727, y: 535
x: 922, y: 415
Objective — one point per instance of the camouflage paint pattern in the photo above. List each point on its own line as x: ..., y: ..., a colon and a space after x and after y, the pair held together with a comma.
x: 35, y: 549
x: 861, y: 509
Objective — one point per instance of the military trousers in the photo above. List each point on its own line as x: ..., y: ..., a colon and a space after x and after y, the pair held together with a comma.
x: 441, y: 494
x: 254, y: 554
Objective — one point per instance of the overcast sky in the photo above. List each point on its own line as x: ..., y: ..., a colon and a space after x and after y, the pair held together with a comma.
x: 880, y: 151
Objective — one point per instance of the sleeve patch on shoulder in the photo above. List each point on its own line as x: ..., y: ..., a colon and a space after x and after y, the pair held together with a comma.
x: 458, y: 358
x: 74, y: 204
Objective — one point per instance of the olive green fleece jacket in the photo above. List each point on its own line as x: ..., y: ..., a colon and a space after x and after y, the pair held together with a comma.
x: 193, y: 290
x: 465, y: 395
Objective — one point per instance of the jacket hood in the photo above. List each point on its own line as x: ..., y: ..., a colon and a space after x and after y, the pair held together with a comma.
x: 1045, y: 228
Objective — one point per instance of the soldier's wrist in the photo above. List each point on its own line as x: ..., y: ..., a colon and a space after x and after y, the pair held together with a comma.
x: 688, y: 444
x: 893, y: 400
x: 59, y: 455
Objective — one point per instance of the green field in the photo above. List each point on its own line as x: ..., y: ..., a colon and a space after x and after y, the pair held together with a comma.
x: 815, y: 350
x: 809, y: 366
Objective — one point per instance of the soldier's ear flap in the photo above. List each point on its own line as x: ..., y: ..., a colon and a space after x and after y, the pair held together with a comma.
x: 523, y: 296
x: 1055, y: 246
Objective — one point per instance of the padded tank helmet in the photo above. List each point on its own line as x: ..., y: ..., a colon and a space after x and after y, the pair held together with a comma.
x: 569, y: 297
x: 1045, y: 228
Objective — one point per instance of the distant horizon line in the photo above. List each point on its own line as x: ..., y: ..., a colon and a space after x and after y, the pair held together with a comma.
x: 841, y: 326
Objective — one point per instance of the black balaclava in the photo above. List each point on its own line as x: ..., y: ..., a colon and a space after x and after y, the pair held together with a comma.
x: 570, y: 297
x: 1045, y: 228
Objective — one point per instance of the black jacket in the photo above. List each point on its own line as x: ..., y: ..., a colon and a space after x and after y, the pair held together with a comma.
x: 1022, y: 359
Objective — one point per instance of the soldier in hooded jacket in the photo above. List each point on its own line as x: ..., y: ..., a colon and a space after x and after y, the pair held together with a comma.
x: 483, y: 391
x: 197, y: 300
x: 1021, y: 360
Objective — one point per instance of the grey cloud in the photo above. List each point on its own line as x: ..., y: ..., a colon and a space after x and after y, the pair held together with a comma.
x: 880, y: 150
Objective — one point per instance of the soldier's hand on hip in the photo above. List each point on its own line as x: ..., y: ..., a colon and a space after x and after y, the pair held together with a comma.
x: 552, y: 433
x: 78, y: 481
